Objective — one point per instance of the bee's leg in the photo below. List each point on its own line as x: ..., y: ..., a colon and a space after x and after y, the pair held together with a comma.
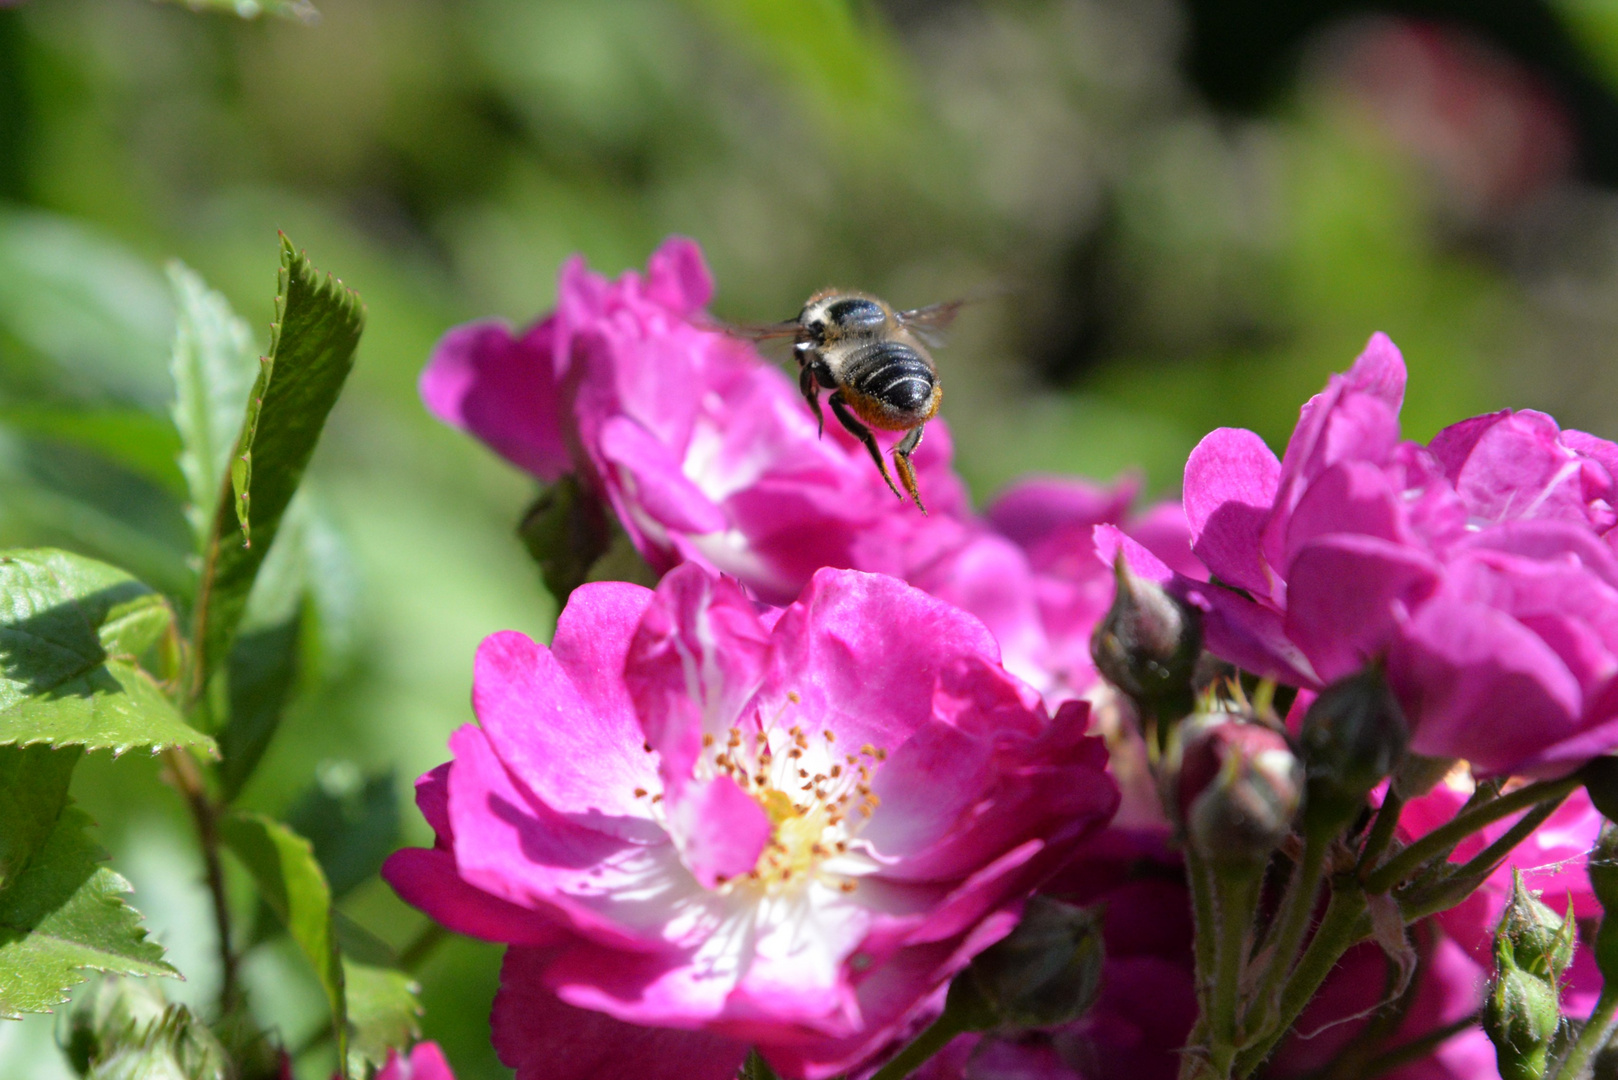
x: 852, y: 425
x: 901, y: 462
x: 811, y: 393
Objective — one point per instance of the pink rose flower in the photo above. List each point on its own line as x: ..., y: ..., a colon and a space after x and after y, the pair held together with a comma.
x: 786, y: 829
x: 708, y: 454
x: 425, y: 1062
x: 704, y: 451
x: 1478, y: 568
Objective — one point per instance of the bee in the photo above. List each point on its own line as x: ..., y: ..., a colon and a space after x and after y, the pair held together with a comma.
x: 875, y: 362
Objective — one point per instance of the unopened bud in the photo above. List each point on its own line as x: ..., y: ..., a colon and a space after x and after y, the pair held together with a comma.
x: 1522, y: 1011
x: 1046, y: 972
x: 1602, y: 865
x: 1521, y: 1017
x: 1148, y: 643
x: 123, y: 1030
x: 1540, y: 940
x: 1600, y: 777
x: 566, y: 532
x: 1353, y: 736
x: 1238, y: 789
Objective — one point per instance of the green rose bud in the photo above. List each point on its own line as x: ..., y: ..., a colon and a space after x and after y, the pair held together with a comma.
x: 1148, y: 644
x: 1353, y: 736
x: 1044, y: 973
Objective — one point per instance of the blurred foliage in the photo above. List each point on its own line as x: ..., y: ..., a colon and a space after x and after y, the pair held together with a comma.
x: 1174, y: 267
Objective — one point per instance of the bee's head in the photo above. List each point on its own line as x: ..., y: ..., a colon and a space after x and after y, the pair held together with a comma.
x: 837, y: 317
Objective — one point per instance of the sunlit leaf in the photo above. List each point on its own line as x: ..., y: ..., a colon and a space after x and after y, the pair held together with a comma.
x: 283, y: 866
x: 62, y: 916
x: 214, y: 365
x: 64, y: 623
x: 383, y: 1013
x: 317, y: 328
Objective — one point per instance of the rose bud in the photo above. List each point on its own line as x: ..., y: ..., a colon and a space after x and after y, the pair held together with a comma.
x: 1602, y: 866
x: 1148, y: 643
x: 1238, y: 790
x: 1521, y: 1011
x: 1353, y: 736
x: 1044, y: 973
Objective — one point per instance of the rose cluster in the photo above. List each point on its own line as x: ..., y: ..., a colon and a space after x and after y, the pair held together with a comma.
x: 792, y: 800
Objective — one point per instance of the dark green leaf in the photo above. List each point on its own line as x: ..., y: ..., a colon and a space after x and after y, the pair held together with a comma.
x: 383, y: 1013
x: 67, y: 625
x: 62, y: 916
x: 214, y: 365
x: 317, y: 327
x: 283, y: 866
x: 262, y: 672
x: 353, y: 824
x: 33, y: 791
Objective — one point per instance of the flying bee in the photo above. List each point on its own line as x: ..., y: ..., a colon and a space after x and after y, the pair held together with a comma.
x: 875, y: 363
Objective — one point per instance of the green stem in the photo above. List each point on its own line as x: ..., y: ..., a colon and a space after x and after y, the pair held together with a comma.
x: 1387, y: 820
x: 413, y: 955
x: 1444, y: 838
x: 1579, y: 1060
x: 1204, y: 934
x: 1464, y: 880
x: 1342, y: 927
x: 1292, y: 922
x: 186, y: 776
x: 1237, y: 890
x: 928, y: 1043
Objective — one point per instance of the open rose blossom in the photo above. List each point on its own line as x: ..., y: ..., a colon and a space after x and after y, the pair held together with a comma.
x: 706, y: 452
x: 786, y: 830
x: 1477, y: 568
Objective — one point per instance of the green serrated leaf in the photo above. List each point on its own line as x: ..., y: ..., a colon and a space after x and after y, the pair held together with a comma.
x: 65, y: 624
x: 213, y: 365
x: 62, y: 916
x: 384, y: 1011
x: 283, y: 866
x: 317, y: 328
x: 33, y: 791
x: 352, y: 822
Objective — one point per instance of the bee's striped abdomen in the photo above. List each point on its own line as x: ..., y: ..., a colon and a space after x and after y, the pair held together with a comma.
x: 892, y: 373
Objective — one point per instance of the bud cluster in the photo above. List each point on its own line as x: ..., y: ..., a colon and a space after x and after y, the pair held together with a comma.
x: 1533, y: 949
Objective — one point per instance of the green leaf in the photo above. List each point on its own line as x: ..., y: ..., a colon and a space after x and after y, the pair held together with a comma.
x: 33, y: 791
x: 352, y: 822
x: 262, y: 673
x: 214, y: 365
x: 67, y: 627
x: 317, y: 328
x: 383, y: 1013
x: 283, y: 866
x: 62, y: 916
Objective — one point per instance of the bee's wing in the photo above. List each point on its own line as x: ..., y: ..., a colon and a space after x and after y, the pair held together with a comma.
x: 754, y: 331
x: 930, y: 323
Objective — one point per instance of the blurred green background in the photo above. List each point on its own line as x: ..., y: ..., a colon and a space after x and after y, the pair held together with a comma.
x: 1201, y: 208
